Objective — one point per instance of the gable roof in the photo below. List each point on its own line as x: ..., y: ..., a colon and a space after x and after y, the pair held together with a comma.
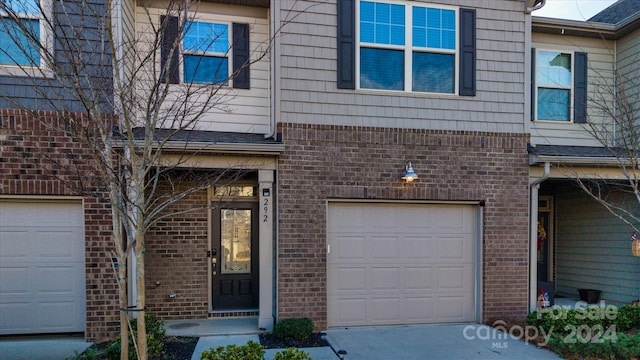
x: 618, y: 12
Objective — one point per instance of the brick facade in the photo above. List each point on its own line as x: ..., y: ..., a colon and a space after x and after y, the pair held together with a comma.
x: 176, y: 261
x: 341, y: 162
x: 38, y: 161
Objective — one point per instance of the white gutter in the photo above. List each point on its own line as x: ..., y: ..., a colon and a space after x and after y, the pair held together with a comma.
x: 533, y: 235
x: 577, y: 160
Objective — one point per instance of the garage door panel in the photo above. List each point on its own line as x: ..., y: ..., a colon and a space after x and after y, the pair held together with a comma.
x: 452, y: 218
x: 383, y: 247
x: 19, y: 248
x: 57, y: 316
x: 453, y: 248
x: 15, y: 280
x: 419, y: 278
x: 451, y: 278
x: 57, y: 245
x: 417, y: 262
x: 350, y: 248
x: 420, y: 308
x: 453, y: 308
x: 382, y: 310
x: 349, y: 278
x: 384, y: 278
x: 419, y: 248
x: 350, y: 310
x: 16, y: 316
x: 57, y: 280
x: 43, y: 267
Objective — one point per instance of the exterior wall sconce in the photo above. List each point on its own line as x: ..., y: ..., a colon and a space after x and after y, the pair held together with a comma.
x: 409, y: 175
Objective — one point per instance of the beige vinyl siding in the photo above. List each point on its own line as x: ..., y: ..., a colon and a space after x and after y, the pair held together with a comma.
x: 629, y: 65
x: 127, y: 19
x: 236, y: 110
x: 309, y: 93
x: 599, y: 85
x: 593, y: 251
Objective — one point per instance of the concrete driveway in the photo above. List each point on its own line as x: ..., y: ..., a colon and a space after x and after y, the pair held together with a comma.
x: 465, y: 341
x: 42, y: 348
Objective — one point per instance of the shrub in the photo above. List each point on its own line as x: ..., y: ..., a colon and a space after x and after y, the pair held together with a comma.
x: 155, y: 333
x: 621, y: 346
x: 293, y: 329
x: 292, y: 354
x: 250, y: 351
x: 628, y: 318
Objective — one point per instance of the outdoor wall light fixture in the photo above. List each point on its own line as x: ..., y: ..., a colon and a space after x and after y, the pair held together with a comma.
x: 409, y: 175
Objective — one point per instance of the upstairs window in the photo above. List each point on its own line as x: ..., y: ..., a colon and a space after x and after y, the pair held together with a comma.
x: 559, y: 86
x: 205, y: 52
x: 554, y: 86
x: 19, y: 29
x: 210, y: 53
x: 407, y: 47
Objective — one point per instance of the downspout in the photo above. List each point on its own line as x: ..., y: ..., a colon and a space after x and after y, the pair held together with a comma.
x: 274, y: 16
x: 537, y: 5
x: 533, y: 235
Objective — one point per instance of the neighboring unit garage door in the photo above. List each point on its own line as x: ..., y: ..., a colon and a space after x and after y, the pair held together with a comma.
x: 391, y: 264
x: 42, y: 267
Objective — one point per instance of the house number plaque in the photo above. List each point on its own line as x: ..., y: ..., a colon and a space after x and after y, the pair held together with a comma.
x: 266, y: 205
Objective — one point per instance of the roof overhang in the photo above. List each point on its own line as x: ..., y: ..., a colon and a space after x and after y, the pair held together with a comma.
x: 212, y: 148
x: 545, y: 25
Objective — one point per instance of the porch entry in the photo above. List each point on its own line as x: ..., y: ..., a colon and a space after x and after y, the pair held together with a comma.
x: 234, y: 256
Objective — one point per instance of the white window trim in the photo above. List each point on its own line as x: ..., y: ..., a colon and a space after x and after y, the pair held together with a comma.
x: 227, y: 55
x: 570, y: 87
x: 46, y: 39
x: 408, y: 48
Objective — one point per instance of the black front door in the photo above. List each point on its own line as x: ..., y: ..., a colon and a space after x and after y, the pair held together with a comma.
x: 234, y: 257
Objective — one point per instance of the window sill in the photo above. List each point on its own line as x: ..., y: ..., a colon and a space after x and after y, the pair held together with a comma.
x: 405, y: 93
x: 25, y: 72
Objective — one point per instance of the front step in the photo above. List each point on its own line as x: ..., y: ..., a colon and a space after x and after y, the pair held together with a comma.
x: 233, y: 313
x: 247, y: 325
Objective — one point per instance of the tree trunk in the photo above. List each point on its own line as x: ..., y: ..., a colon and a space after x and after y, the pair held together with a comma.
x: 141, y: 303
x: 124, y: 316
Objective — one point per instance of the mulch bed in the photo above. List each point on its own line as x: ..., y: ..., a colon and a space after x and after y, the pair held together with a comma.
x: 175, y: 348
x: 271, y: 342
x: 178, y: 348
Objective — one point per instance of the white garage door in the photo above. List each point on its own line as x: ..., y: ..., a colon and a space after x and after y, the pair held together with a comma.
x: 42, y: 267
x: 392, y: 264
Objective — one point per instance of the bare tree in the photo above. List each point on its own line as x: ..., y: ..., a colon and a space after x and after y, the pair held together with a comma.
x: 614, y: 106
x: 114, y: 93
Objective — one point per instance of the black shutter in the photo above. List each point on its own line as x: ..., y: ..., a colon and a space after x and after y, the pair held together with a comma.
x: 170, y: 50
x: 241, y: 75
x: 467, y: 85
x: 580, y: 88
x: 346, y: 44
x: 533, y: 84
